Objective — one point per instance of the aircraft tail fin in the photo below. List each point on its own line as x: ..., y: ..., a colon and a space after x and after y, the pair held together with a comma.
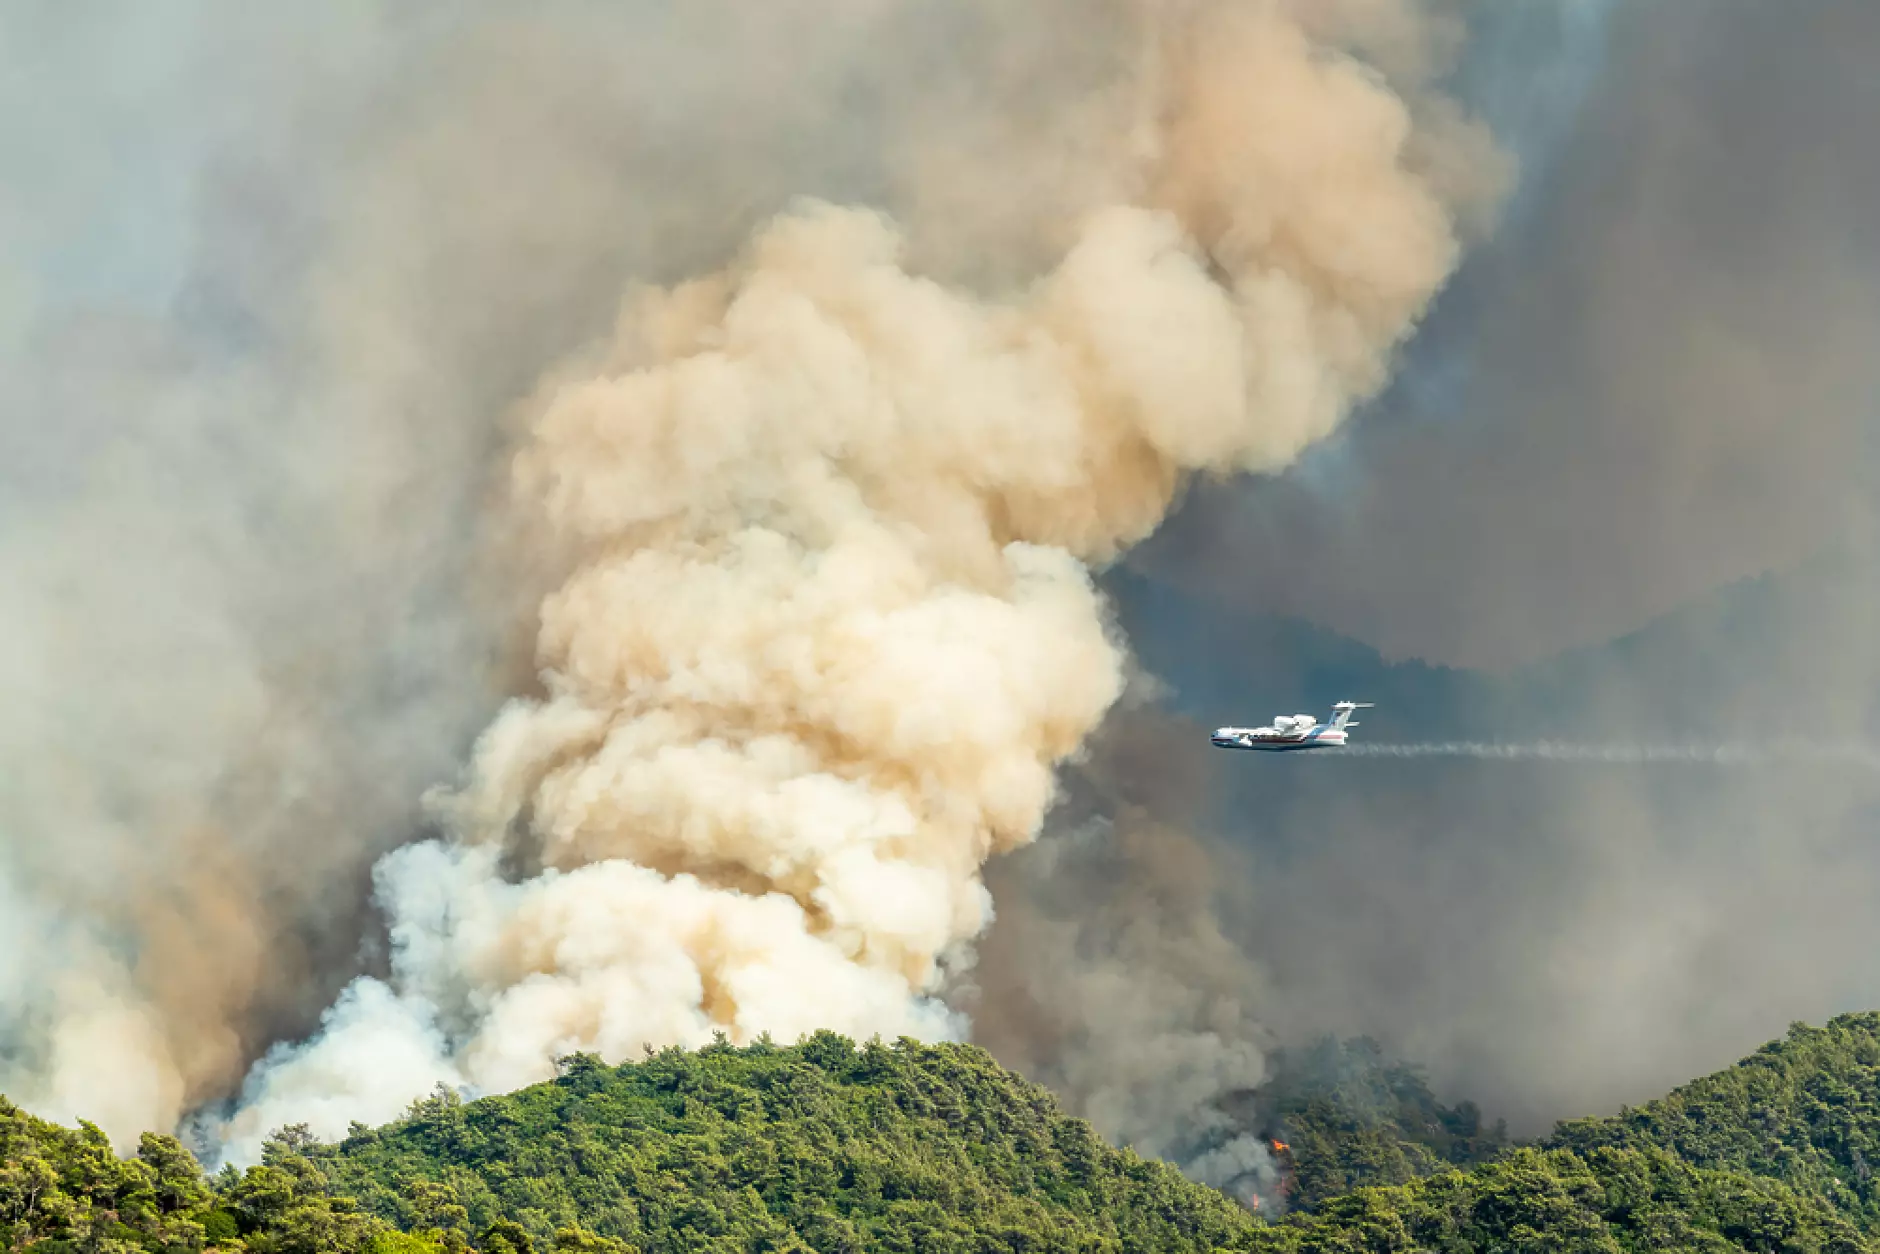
x: 1343, y: 710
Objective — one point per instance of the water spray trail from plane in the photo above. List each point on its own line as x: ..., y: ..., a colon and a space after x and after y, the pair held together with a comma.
x: 1867, y: 756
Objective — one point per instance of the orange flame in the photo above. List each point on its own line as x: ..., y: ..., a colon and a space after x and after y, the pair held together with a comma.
x: 1280, y: 1145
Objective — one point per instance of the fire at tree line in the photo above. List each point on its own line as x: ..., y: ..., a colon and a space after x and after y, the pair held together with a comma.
x: 830, y: 1146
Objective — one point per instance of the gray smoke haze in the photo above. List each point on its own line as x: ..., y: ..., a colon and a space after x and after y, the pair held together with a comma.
x: 1619, y: 497
x: 293, y: 287
x: 1657, y: 381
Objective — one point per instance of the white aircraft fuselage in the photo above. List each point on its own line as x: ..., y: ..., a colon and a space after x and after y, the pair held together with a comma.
x: 1291, y: 732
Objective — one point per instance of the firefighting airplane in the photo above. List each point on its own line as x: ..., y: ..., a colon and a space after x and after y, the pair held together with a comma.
x: 1293, y: 731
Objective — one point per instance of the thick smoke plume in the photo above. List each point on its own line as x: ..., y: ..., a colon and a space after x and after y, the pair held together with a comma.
x: 827, y: 628
x: 1109, y: 975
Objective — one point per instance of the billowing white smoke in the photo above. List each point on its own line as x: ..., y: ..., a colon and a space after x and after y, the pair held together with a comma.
x: 828, y: 629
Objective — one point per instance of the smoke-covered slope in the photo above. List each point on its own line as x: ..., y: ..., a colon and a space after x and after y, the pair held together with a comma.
x: 1344, y: 1116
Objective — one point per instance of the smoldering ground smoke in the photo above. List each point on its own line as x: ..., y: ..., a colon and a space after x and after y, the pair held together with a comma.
x: 816, y: 524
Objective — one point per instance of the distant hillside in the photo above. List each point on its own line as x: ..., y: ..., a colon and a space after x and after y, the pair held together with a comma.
x: 1378, y: 1164
x: 1609, y: 1202
x: 1804, y: 1110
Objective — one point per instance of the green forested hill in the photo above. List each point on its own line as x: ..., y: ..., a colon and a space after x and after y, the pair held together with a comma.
x: 1804, y: 1110
x: 820, y: 1145
x: 825, y: 1146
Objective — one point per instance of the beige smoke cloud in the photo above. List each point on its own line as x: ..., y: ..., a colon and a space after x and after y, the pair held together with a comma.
x: 828, y: 628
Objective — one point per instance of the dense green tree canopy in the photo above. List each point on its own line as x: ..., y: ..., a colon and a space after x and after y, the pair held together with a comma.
x: 1609, y: 1202
x: 828, y: 1146
x: 1804, y: 1110
x: 65, y: 1192
x: 821, y: 1145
